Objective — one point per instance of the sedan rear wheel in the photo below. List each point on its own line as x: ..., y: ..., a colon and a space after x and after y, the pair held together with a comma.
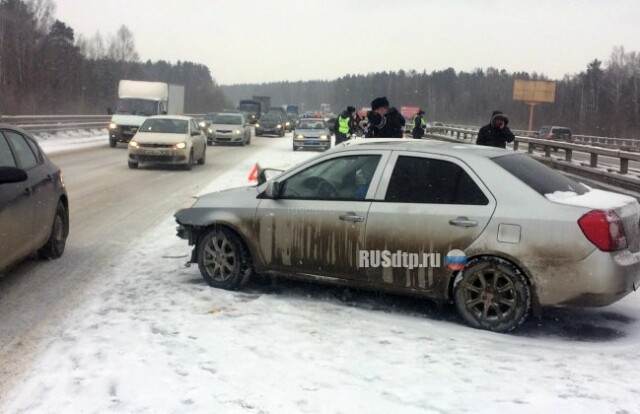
x: 223, y: 259
x: 493, y: 295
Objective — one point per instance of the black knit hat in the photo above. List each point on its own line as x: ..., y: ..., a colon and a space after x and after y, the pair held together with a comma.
x: 381, y: 102
x: 351, y: 109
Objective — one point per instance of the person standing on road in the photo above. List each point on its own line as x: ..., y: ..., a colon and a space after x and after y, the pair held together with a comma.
x: 344, y: 125
x: 384, y: 122
x: 419, y: 125
x: 496, y: 133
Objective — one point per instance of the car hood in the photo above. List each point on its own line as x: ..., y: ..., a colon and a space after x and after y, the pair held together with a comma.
x: 158, y: 138
x: 231, y: 127
x: 311, y: 133
x: 128, y: 120
x: 199, y: 213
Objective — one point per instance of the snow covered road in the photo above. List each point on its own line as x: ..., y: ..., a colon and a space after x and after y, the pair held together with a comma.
x: 152, y: 337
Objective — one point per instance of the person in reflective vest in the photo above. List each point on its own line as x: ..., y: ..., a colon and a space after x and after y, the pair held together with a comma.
x: 419, y: 125
x: 344, y: 125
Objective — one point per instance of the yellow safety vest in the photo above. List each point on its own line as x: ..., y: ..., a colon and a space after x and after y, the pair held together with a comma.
x: 343, y: 124
x: 423, y: 125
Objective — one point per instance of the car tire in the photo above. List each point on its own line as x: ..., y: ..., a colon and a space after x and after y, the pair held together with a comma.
x: 113, y: 143
x: 189, y: 165
x: 223, y: 259
x: 54, y: 248
x: 133, y: 165
x: 296, y: 148
x: 492, y: 294
x: 202, y: 160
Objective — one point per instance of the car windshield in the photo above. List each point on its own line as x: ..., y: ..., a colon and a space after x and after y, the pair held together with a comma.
x: 137, y: 107
x: 538, y: 176
x: 270, y: 118
x: 165, y: 126
x: 312, y: 124
x: 228, y: 120
x: 210, y: 117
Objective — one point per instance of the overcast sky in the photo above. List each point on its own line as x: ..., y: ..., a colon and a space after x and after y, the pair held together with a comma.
x: 246, y: 41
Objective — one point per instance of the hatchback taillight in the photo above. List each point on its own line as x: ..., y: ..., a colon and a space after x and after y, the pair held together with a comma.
x: 604, y: 229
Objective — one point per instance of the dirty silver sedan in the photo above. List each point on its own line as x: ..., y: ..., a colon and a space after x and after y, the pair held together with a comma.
x: 498, y: 234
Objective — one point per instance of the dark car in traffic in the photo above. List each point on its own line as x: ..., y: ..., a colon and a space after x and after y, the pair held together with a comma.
x: 34, y: 207
x: 555, y: 133
x: 271, y: 124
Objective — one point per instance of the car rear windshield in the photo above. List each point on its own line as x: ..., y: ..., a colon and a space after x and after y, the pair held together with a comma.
x: 312, y: 125
x: 538, y: 176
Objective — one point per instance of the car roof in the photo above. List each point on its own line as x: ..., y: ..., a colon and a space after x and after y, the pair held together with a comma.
x: 427, y: 146
x: 175, y: 117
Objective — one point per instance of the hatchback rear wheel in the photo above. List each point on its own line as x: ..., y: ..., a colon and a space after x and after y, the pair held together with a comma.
x: 493, y: 295
x: 54, y: 248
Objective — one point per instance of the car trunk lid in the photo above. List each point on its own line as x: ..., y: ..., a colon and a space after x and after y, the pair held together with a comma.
x: 625, y: 207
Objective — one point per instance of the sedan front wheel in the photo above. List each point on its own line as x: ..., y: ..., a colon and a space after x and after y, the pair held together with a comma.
x: 493, y: 295
x: 223, y: 259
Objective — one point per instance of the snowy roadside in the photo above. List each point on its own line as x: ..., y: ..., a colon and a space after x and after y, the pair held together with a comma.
x: 155, y: 338
x: 69, y: 140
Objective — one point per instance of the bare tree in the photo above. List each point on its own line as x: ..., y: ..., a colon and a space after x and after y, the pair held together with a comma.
x: 122, y: 47
x: 43, y: 12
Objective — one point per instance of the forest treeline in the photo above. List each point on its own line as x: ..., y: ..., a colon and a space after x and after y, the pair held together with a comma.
x: 603, y: 99
x: 46, y: 69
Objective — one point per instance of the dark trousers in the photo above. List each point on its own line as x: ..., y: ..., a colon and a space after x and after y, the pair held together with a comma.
x: 340, y: 138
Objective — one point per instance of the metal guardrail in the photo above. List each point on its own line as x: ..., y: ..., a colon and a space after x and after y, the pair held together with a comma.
x: 627, y: 144
x: 620, y: 176
x: 58, y: 123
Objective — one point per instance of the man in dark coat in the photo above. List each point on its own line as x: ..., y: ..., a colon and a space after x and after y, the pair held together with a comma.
x: 384, y: 122
x: 496, y: 133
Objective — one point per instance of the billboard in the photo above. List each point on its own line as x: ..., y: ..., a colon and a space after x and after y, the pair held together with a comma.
x: 534, y: 91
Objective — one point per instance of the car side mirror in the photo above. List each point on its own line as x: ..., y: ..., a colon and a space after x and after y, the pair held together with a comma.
x: 273, y: 190
x: 109, y: 111
x: 195, y: 133
x: 11, y: 175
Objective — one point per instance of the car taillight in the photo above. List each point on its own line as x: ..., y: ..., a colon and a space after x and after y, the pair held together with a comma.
x: 604, y: 229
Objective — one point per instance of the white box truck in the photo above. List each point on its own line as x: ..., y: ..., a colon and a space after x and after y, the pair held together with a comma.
x: 136, y: 101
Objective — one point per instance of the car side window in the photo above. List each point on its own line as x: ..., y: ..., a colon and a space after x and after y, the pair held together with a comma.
x: 23, y: 152
x: 342, y: 178
x: 432, y: 181
x: 6, y: 156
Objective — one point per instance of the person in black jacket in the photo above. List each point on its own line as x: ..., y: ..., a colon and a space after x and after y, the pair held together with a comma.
x: 496, y: 133
x: 384, y: 122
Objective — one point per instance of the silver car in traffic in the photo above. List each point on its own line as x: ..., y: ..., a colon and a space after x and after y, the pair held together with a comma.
x: 229, y: 128
x: 495, y: 232
x: 312, y: 133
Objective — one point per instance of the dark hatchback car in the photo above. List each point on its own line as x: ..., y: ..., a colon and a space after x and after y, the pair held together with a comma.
x: 555, y: 133
x: 34, y: 207
x: 270, y: 124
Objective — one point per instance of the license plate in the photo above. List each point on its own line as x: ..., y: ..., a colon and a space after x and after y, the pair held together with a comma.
x: 152, y: 152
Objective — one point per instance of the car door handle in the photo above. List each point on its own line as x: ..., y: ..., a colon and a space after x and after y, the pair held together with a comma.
x: 351, y: 217
x: 463, y: 222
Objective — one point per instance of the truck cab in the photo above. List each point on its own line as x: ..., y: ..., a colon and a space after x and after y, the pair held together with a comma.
x: 138, y: 100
